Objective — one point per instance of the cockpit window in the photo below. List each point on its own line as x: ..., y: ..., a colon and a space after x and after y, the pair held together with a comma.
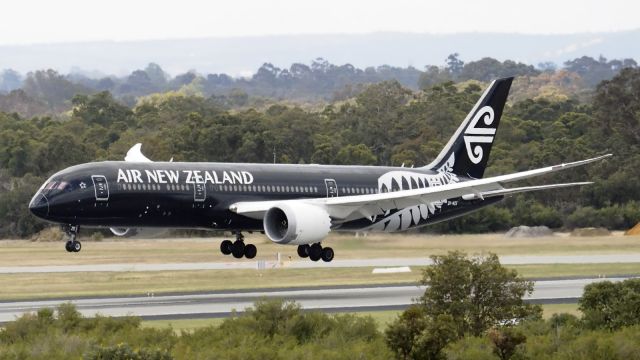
x: 51, y: 185
x: 64, y: 186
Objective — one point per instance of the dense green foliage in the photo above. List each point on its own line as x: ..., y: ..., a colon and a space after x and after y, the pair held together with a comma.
x: 464, y: 296
x: 473, y: 309
x: 385, y: 124
x: 611, y: 305
x: 273, y: 329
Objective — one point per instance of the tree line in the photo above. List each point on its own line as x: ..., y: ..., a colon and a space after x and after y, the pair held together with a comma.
x: 49, y: 92
x: 385, y: 124
x: 471, y: 309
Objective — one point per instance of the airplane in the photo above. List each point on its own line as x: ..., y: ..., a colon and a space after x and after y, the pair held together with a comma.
x: 292, y: 204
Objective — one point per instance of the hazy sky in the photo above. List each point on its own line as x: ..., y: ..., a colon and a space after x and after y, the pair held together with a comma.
x: 30, y: 21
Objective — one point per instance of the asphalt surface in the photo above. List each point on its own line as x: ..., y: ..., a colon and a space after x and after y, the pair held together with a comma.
x: 305, y: 264
x: 218, y: 304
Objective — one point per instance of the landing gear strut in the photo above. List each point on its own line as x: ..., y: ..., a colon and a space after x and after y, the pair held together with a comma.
x: 238, y: 248
x: 72, y: 245
x: 316, y: 252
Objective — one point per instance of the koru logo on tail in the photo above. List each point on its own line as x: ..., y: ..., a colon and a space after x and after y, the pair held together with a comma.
x: 479, y: 135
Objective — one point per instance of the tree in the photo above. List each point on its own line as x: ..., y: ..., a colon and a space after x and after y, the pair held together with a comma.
x: 52, y: 88
x: 415, y: 336
x: 611, y: 305
x: 506, y: 339
x: 10, y: 80
x: 454, y: 65
x: 402, y: 334
x: 101, y: 109
x: 617, y: 104
x: 355, y: 155
x: 478, y: 292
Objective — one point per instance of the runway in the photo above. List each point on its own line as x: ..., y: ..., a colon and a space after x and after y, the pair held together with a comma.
x: 306, y: 264
x: 221, y: 303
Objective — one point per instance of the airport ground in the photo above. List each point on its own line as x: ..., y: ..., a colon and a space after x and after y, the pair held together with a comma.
x: 201, y: 252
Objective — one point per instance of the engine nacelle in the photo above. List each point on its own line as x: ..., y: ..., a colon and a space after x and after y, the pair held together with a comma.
x: 296, y: 223
x: 123, y: 231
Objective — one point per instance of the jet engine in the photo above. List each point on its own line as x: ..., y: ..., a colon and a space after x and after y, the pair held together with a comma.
x: 296, y: 223
x: 123, y: 231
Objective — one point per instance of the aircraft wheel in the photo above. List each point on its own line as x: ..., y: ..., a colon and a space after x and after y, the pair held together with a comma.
x: 226, y: 246
x: 76, y: 246
x: 250, y: 251
x: 327, y: 254
x: 303, y: 251
x: 315, y: 252
x: 67, y: 246
x: 238, y: 249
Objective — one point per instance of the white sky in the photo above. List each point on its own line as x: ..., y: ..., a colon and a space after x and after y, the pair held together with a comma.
x: 31, y: 21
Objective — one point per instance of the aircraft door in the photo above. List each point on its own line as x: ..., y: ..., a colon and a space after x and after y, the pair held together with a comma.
x: 101, y: 187
x: 332, y: 187
x: 199, y: 192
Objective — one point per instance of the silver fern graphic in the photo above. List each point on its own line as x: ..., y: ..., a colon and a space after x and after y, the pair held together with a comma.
x: 411, y: 216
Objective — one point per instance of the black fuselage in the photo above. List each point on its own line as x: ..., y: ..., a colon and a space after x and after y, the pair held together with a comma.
x: 198, y: 195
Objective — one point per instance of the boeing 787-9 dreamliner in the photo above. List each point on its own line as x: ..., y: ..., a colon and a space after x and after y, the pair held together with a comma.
x: 292, y: 204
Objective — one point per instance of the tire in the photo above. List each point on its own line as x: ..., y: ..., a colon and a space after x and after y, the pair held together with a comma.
x: 76, y: 246
x: 238, y: 250
x: 250, y: 251
x: 315, y: 252
x: 303, y: 251
x: 67, y: 246
x: 327, y: 254
x: 226, y: 246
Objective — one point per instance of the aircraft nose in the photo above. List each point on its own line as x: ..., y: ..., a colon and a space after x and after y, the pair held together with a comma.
x: 39, y: 205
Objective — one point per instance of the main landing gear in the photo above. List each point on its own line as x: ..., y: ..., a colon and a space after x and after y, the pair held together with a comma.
x: 72, y: 244
x: 315, y: 252
x: 238, y: 248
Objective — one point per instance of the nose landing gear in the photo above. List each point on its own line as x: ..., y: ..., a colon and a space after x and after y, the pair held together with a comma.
x: 72, y: 245
x: 316, y: 252
x: 238, y: 248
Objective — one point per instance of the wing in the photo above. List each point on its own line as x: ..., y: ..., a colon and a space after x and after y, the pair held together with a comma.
x: 368, y: 205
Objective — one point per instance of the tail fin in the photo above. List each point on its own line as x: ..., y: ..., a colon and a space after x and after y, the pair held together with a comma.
x: 467, y: 152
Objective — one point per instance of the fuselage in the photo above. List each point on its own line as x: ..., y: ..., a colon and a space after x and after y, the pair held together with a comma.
x: 198, y: 195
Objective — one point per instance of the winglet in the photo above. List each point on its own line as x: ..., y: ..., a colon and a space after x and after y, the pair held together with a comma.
x: 579, y: 163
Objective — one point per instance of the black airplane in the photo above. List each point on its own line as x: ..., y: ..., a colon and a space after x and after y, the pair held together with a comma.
x: 291, y: 204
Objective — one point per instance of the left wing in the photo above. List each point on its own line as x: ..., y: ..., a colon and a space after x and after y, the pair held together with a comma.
x: 368, y: 205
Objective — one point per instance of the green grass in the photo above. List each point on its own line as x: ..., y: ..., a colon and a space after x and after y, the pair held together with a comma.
x: 63, y: 285
x: 550, y: 309
x: 382, y: 318
x: 54, y: 285
x: 585, y: 270
x: 181, y: 325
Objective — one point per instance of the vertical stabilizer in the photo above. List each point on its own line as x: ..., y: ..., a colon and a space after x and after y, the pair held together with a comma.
x: 467, y: 152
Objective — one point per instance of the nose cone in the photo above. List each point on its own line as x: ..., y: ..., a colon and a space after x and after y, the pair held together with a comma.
x: 39, y: 206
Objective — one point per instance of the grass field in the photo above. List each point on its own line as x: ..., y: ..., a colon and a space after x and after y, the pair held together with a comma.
x: 26, y: 253
x: 382, y: 318
x: 63, y: 285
